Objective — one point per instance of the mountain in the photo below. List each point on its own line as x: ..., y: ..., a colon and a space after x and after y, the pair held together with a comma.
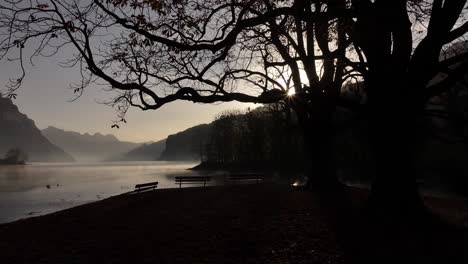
x: 186, y: 145
x: 182, y: 146
x: 86, y: 147
x: 18, y: 131
x: 145, y: 152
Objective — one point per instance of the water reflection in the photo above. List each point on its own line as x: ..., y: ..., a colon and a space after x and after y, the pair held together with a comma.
x: 43, y: 188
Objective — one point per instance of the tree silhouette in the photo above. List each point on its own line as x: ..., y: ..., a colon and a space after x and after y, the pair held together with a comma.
x: 262, y: 138
x: 15, y: 156
x: 403, y: 43
x: 154, y: 52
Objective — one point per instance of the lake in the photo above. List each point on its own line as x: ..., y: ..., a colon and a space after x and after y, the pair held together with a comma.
x: 37, y: 189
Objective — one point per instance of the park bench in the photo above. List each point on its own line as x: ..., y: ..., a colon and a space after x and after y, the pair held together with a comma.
x: 145, y: 187
x: 192, y: 180
x: 245, y: 177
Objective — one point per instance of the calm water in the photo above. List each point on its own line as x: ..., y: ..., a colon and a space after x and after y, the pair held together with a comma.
x: 37, y: 189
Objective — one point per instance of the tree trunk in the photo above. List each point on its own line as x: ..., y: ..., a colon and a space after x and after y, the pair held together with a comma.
x: 394, y: 139
x: 394, y: 187
x: 319, y: 164
x: 333, y: 198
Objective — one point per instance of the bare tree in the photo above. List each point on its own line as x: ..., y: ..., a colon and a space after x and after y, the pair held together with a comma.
x: 403, y: 43
x: 153, y: 52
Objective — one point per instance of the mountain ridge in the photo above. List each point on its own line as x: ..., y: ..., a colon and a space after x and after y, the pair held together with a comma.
x: 186, y: 144
x: 86, y: 146
x: 145, y: 152
x: 19, y: 131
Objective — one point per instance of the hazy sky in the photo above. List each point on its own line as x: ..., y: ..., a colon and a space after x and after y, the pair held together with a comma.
x: 45, y: 94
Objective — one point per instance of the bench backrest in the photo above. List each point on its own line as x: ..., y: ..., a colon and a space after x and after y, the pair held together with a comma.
x: 146, y: 185
x: 245, y: 176
x: 192, y: 178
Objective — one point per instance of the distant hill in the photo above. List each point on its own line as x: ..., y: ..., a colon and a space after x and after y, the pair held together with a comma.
x: 87, y: 147
x: 145, y: 152
x: 18, y: 131
x: 186, y: 145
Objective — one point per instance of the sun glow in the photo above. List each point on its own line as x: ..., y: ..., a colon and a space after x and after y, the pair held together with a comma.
x: 291, y: 92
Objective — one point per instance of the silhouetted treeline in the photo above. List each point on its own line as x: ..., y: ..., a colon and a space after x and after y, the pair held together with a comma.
x: 14, y: 156
x: 269, y: 138
x: 263, y: 137
x: 440, y: 152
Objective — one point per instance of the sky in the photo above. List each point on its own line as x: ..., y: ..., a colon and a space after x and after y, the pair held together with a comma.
x: 44, y: 97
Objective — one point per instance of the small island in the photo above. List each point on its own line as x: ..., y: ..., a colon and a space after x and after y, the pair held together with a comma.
x: 14, y: 156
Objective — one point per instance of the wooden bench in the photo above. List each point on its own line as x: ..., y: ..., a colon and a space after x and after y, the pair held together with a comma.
x: 145, y: 187
x: 192, y: 180
x: 237, y: 177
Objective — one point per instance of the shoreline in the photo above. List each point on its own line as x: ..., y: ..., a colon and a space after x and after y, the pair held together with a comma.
x: 249, y: 166
x: 33, y: 214
x: 263, y: 223
x: 426, y: 188
x: 24, y: 189
x: 2, y: 163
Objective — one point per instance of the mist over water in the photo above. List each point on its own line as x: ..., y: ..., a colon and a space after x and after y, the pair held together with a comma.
x: 38, y: 189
